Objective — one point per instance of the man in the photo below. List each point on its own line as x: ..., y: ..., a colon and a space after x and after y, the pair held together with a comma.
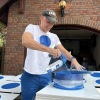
x: 40, y: 44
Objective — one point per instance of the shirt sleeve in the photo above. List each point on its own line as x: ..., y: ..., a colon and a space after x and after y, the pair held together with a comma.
x: 29, y: 29
x: 57, y: 40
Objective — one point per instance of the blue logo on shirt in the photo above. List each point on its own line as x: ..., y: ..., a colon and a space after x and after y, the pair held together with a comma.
x: 45, y: 40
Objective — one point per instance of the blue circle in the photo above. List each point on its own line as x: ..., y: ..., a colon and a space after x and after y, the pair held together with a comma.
x: 95, y: 74
x: 1, y: 77
x: 45, y: 40
x: 10, y: 85
x: 97, y: 81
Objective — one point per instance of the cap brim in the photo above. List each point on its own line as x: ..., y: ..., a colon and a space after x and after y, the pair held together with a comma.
x: 51, y: 19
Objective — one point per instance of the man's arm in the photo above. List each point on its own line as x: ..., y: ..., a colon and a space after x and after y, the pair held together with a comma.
x: 29, y: 42
x: 70, y: 57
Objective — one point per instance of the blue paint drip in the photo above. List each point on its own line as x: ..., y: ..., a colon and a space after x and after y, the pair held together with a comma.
x: 98, y: 81
x: 65, y: 88
x: 10, y: 85
x: 65, y: 75
x: 95, y: 74
x: 1, y: 77
x: 63, y: 58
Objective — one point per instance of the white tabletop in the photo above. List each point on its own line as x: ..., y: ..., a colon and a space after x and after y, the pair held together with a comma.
x: 98, y: 89
x: 8, y: 96
x: 15, y: 78
x: 5, y: 77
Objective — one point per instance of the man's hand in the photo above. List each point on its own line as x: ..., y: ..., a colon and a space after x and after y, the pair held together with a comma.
x: 77, y: 65
x: 56, y: 53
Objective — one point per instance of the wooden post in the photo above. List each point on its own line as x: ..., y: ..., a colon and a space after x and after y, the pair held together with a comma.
x: 21, y: 6
x: 2, y: 59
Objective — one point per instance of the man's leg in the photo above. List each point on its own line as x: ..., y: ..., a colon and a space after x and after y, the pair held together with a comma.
x: 29, y: 86
x: 45, y: 80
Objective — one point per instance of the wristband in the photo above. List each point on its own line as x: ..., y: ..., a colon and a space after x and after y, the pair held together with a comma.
x: 71, y: 58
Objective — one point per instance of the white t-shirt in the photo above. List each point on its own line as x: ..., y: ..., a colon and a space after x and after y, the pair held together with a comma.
x: 37, y: 61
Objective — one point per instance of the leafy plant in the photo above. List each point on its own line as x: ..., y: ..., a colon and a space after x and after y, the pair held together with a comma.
x: 2, y: 34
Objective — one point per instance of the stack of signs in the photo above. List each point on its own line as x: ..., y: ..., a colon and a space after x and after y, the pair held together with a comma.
x: 9, y: 89
x: 93, y: 78
x: 89, y: 92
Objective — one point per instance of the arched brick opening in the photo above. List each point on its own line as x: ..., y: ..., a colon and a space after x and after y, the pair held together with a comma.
x: 78, y: 23
x: 81, y: 22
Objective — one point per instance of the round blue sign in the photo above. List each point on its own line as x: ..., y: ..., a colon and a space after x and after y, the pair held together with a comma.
x: 95, y: 74
x: 98, y: 81
x: 1, y: 77
x: 10, y: 85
